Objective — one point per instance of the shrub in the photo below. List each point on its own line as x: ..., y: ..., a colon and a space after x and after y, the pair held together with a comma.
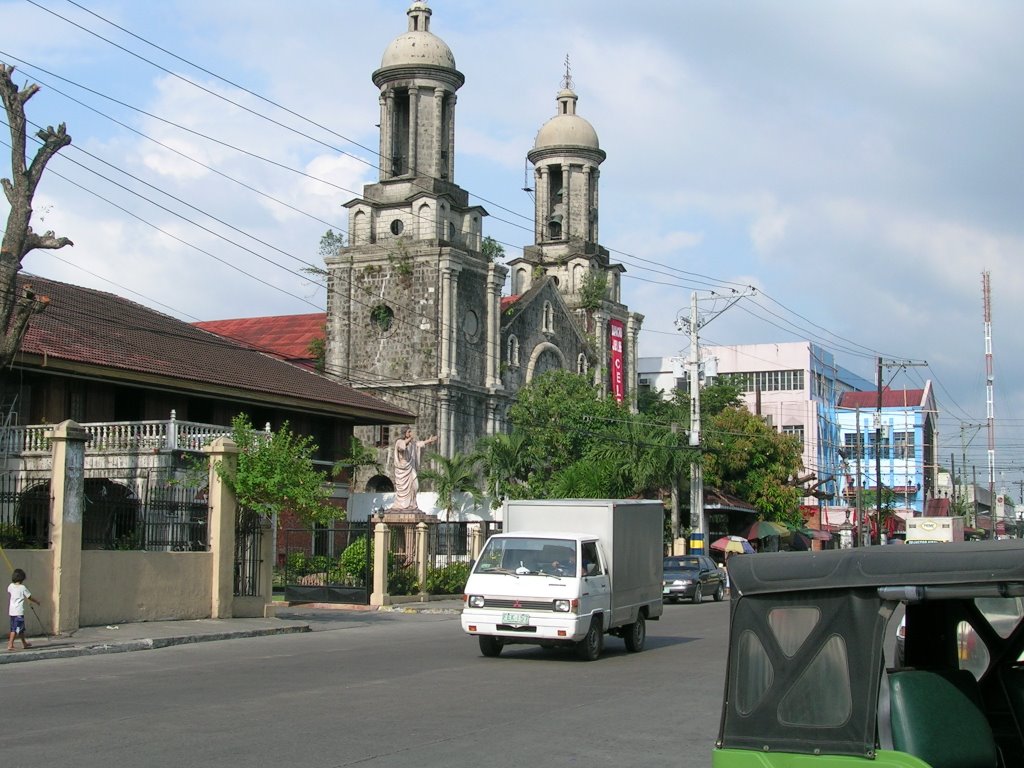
x: 401, y: 577
x: 11, y: 536
x: 449, y: 580
x: 353, y: 560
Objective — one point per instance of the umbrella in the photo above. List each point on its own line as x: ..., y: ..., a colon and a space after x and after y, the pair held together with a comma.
x: 760, y: 529
x: 734, y: 544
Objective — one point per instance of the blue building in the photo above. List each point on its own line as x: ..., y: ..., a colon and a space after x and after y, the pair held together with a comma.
x: 906, y: 451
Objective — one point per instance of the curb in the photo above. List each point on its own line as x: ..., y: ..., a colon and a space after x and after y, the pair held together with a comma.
x: 145, y: 644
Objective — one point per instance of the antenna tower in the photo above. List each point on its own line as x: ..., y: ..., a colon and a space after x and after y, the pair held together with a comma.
x: 989, y: 396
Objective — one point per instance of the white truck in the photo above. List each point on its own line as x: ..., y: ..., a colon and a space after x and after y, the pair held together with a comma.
x: 565, y: 572
x: 929, y: 530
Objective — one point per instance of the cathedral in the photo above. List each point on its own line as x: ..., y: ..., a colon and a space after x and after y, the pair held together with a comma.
x: 415, y: 307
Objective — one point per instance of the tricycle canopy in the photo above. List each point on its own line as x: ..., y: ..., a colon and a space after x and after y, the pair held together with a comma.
x: 808, y: 638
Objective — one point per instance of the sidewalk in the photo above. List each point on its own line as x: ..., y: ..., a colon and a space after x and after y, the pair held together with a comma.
x: 149, y: 635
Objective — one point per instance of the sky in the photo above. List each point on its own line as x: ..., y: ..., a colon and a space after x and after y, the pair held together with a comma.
x: 857, y: 162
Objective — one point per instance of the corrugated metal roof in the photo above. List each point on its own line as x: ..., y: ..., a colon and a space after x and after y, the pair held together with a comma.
x: 287, y: 336
x: 891, y: 398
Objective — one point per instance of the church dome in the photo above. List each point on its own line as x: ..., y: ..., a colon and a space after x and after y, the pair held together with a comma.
x: 566, y: 128
x: 419, y: 46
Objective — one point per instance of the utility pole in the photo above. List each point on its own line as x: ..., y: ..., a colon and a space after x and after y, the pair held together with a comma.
x: 696, y: 467
x: 675, y: 496
x: 964, y: 442
x: 859, y: 520
x: 692, y: 327
x: 878, y: 433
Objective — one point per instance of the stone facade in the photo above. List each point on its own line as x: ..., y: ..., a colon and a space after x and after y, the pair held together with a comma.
x: 415, y: 310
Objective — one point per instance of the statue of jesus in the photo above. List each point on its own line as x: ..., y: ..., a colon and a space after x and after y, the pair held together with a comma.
x: 407, y: 464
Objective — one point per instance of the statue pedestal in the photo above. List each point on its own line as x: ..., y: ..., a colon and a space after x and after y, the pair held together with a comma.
x: 406, y: 516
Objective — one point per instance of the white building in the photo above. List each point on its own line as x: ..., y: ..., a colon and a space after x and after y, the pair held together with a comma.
x: 796, y: 386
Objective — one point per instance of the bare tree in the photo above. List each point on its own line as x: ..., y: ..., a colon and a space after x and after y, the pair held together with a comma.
x: 18, y: 305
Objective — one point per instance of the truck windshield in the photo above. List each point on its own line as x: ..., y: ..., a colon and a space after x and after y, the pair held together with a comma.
x: 528, y: 556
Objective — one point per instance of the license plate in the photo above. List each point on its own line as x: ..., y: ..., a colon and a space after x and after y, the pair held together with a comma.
x: 665, y: 591
x: 515, y: 619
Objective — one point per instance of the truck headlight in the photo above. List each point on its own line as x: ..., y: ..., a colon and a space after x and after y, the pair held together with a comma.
x: 476, y: 601
x: 563, y: 606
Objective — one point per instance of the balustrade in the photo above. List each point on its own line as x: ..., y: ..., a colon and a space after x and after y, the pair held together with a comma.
x: 119, y: 436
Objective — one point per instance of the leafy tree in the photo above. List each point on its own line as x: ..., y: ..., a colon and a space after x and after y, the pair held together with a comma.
x: 560, y: 414
x: 492, y: 250
x: 276, y: 473
x: 452, y: 476
x: 359, y: 455
x: 317, y: 349
x: 18, y: 306
x: 330, y: 243
x: 746, y: 457
x: 594, y: 289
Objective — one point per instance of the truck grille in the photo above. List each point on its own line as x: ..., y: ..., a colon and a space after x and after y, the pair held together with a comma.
x: 516, y: 605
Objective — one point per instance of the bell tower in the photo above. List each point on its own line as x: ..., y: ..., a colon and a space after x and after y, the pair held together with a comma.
x: 566, y: 158
x: 413, y: 304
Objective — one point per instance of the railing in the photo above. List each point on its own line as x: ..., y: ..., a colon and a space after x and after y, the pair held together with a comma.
x: 120, y: 436
x: 24, y: 511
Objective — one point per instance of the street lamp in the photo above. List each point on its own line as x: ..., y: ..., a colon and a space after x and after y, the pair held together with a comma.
x: 846, y: 533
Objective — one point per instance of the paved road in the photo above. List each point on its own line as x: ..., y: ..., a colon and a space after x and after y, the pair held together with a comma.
x: 375, y: 689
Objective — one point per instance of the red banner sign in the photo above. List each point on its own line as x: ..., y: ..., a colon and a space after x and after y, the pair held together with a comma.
x: 616, y: 334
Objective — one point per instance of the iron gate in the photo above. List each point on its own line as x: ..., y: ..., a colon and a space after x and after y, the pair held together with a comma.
x: 329, y: 565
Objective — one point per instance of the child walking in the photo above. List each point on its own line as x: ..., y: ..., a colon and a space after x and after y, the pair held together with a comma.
x: 19, y: 594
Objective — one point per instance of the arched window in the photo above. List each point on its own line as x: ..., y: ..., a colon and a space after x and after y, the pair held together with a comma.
x: 359, y: 233
x: 578, y: 277
x: 549, y: 318
x: 519, y: 281
x: 425, y: 223
x: 513, y: 351
x: 581, y: 364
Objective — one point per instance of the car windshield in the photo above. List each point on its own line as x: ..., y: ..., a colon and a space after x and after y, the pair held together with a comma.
x: 681, y: 564
x: 525, y: 556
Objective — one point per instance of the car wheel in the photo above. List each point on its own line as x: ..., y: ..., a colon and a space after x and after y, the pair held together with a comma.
x: 589, y: 648
x: 697, y: 596
x: 490, y: 646
x: 720, y: 593
x: 635, y: 635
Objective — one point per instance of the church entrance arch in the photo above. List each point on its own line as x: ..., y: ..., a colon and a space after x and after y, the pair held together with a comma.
x: 545, y: 357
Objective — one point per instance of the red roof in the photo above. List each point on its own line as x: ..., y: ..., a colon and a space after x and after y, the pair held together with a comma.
x: 108, y: 336
x: 891, y: 398
x: 508, y: 301
x: 286, y: 336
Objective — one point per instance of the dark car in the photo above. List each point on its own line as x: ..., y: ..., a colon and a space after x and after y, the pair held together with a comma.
x: 691, y: 577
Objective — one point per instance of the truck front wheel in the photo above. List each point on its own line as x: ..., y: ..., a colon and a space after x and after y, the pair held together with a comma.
x: 490, y: 646
x: 635, y: 635
x: 589, y: 648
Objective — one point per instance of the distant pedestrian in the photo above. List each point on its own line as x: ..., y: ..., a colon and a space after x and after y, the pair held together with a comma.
x: 19, y: 594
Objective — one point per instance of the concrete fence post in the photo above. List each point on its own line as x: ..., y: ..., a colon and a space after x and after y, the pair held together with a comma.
x: 223, y: 509
x: 381, y: 548
x: 476, y: 541
x: 68, y: 488
x: 269, y: 549
x: 421, y: 556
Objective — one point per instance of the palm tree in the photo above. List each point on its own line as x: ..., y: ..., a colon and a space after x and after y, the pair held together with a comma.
x: 452, y: 476
x: 502, y: 458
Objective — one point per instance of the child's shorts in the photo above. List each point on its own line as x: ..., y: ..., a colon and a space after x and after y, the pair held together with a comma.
x: 18, y: 625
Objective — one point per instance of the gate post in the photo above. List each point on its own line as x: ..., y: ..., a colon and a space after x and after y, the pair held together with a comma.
x: 381, y: 549
x: 223, y: 508
x: 476, y: 541
x: 421, y: 556
x: 68, y: 488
